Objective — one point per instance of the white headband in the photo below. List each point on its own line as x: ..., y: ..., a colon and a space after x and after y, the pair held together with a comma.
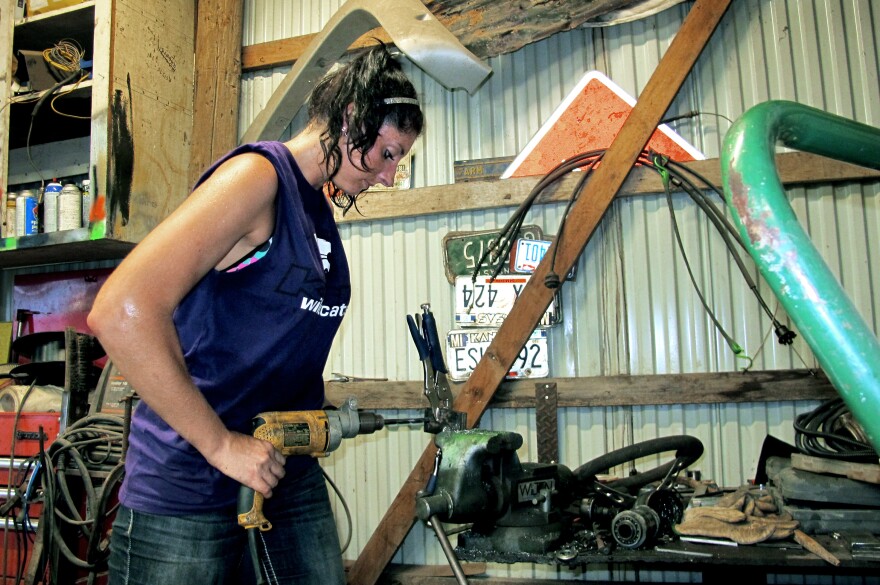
x: 400, y: 100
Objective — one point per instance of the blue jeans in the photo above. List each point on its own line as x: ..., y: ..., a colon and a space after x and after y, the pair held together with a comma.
x: 302, y: 547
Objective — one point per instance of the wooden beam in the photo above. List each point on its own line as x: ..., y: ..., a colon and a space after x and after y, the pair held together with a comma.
x: 217, y: 82
x: 486, y: 27
x: 599, y: 391
x: 585, y: 215
x: 288, y: 51
x: 795, y: 168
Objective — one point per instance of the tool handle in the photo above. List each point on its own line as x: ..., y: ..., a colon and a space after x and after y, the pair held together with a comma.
x: 434, y: 348
x: 421, y: 346
x: 250, y: 510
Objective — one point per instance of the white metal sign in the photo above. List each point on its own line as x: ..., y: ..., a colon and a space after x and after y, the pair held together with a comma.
x: 486, y: 302
x: 465, y: 349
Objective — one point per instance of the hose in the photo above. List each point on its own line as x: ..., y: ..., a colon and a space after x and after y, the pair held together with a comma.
x: 830, y: 431
x: 687, y: 450
x: 90, y: 448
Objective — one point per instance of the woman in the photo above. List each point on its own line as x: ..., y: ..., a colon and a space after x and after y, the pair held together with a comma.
x: 228, y: 308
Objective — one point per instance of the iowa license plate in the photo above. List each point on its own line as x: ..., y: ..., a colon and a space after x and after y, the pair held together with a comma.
x: 465, y: 349
x: 486, y: 302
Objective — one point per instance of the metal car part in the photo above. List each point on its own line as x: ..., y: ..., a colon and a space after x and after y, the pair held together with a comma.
x: 413, y: 30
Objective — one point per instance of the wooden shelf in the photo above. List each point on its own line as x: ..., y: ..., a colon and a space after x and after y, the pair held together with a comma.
x: 708, y: 388
x: 795, y: 168
x: 127, y: 128
x: 40, y: 32
x: 59, y: 247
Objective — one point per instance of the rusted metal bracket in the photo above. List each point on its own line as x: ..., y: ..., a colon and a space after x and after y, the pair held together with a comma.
x: 412, y: 28
x: 546, y: 419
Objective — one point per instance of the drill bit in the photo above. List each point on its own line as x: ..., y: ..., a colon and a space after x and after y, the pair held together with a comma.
x: 407, y: 421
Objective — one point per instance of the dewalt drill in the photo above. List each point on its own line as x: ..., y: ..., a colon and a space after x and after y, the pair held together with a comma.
x: 306, y: 432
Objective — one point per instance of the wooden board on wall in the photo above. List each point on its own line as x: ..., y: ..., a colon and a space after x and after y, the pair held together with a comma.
x: 486, y: 27
x: 600, y: 391
x: 794, y: 168
x: 217, y: 83
x: 149, y: 113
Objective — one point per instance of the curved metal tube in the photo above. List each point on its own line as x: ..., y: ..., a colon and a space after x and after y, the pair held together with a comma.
x: 412, y: 28
x: 846, y: 347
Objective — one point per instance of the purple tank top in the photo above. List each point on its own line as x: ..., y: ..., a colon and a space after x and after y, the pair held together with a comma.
x: 254, y: 339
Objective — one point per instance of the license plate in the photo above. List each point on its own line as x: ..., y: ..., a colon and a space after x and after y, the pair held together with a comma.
x: 462, y: 251
x: 486, y: 302
x: 529, y: 254
x: 465, y: 349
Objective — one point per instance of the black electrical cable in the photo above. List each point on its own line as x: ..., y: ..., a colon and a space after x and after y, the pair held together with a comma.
x: 658, y: 164
x: 731, y: 342
x: 728, y: 232
x: 38, y: 106
x: 552, y: 279
x: 513, y: 225
x: 694, y: 114
x: 675, y: 175
x: 91, y: 447
x: 828, y: 431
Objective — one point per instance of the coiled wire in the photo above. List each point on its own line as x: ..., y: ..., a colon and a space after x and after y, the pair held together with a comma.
x: 90, y: 453
x: 830, y: 431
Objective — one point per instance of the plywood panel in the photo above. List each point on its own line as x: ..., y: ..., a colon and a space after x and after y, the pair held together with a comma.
x: 150, y: 113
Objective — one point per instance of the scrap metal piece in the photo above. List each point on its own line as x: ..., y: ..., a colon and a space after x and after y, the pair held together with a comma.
x: 546, y: 405
x: 412, y: 28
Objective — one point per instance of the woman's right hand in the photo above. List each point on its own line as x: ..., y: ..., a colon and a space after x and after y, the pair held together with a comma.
x: 251, y: 462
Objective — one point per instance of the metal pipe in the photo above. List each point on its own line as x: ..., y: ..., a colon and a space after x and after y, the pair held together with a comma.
x: 846, y: 347
x: 457, y: 570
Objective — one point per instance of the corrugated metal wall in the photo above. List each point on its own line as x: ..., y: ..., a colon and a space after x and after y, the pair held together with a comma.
x: 633, y: 309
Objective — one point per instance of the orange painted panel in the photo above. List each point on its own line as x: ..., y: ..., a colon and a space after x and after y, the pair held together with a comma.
x: 589, y: 119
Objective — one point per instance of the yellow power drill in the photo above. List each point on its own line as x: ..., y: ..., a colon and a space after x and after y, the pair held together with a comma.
x: 306, y: 432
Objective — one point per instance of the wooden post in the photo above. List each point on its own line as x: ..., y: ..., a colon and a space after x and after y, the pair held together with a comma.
x: 535, y: 298
x: 217, y: 83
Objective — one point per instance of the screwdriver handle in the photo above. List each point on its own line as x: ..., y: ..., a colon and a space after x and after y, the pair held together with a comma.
x: 421, y: 346
x: 434, y: 349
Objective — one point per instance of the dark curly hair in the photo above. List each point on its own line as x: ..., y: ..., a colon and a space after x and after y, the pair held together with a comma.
x: 365, y: 82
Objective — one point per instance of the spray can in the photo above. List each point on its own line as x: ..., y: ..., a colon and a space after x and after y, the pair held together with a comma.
x: 9, y: 217
x: 50, y: 207
x: 26, y: 218
x: 69, y: 207
x: 86, y: 201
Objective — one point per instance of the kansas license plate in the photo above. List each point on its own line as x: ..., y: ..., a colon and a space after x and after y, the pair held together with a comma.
x: 465, y: 349
x: 486, y: 302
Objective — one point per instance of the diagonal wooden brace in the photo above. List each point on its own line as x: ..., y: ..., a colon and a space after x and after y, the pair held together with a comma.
x: 585, y: 215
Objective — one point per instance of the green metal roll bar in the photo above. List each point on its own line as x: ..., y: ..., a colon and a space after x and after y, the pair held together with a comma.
x: 846, y: 347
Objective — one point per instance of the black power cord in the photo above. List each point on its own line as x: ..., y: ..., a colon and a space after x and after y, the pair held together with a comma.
x: 674, y: 175
x: 830, y: 431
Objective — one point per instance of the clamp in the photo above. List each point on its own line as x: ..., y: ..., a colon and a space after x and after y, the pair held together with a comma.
x: 440, y: 415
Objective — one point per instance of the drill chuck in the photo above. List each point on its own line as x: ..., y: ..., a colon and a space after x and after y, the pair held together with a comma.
x: 370, y: 422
